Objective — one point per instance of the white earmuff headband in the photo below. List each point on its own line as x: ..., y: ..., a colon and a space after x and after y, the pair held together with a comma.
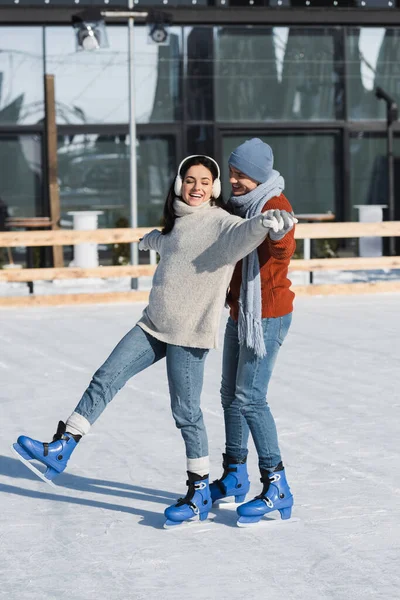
x: 216, y: 188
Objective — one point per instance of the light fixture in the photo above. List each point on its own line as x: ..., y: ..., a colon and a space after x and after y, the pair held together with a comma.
x: 91, y: 34
x: 158, y: 27
x: 158, y: 33
x: 90, y: 30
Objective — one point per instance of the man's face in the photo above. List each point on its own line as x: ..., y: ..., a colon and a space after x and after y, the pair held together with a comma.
x: 241, y: 183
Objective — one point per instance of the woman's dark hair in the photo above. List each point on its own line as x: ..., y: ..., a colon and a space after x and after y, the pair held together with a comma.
x: 168, y: 213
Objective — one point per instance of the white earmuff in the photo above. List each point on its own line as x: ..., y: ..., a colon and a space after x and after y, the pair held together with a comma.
x: 216, y: 188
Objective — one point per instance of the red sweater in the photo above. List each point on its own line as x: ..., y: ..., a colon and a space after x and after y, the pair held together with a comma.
x: 274, y: 257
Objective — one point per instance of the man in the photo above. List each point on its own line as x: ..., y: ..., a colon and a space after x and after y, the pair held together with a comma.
x: 261, y: 305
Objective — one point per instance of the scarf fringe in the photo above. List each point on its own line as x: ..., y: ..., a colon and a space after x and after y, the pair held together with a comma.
x: 250, y: 332
x: 250, y: 301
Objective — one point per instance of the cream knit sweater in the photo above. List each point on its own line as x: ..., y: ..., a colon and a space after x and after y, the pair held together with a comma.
x: 197, y: 259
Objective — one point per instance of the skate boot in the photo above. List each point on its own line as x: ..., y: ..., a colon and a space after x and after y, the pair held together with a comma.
x: 53, y: 455
x: 194, y: 506
x: 276, y: 495
x: 234, y: 481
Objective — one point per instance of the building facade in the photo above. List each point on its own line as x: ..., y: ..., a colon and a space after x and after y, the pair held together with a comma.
x: 300, y: 75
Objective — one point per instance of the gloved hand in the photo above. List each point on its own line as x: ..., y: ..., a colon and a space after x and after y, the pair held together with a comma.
x: 150, y: 241
x: 286, y: 222
x: 272, y: 220
x: 142, y: 243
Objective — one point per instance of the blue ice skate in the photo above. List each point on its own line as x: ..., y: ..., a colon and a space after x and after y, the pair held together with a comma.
x: 53, y: 455
x: 276, y: 495
x: 195, y: 506
x: 234, y: 481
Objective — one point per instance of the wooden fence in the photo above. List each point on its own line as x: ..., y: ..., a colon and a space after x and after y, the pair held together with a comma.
x: 305, y: 231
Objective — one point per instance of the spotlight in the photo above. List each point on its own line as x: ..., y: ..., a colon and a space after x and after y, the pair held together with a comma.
x: 158, y: 33
x: 158, y: 22
x: 90, y: 30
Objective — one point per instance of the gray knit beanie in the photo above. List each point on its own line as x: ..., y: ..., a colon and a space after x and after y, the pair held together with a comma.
x: 254, y: 158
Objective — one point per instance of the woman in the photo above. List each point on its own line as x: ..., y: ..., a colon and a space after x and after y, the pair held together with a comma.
x: 198, y: 247
x: 261, y: 306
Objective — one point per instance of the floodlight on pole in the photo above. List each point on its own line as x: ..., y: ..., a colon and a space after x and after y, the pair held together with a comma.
x: 90, y: 30
x: 130, y: 15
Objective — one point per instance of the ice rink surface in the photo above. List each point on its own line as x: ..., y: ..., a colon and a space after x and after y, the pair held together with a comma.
x: 336, y: 398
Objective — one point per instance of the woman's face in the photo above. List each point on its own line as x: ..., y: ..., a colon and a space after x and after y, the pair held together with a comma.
x: 197, y: 185
x: 241, y: 183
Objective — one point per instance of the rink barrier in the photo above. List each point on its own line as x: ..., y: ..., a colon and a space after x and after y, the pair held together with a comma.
x: 304, y: 231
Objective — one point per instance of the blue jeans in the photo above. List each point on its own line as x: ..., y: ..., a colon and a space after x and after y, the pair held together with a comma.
x: 185, y: 368
x: 244, y: 386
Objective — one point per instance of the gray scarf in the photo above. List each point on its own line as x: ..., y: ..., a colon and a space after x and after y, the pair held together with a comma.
x: 250, y: 305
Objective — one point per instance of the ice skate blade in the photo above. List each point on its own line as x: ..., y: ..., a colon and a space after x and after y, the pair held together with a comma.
x: 225, y: 504
x: 30, y: 466
x: 181, y: 525
x: 265, y: 522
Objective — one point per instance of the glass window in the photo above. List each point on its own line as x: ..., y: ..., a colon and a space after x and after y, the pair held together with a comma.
x: 21, y: 175
x: 200, y: 139
x: 284, y: 73
x: 368, y: 171
x: 373, y: 60
x: 157, y: 164
x: 94, y: 175
x: 92, y: 87
x: 199, y: 77
x: 306, y: 162
x: 21, y: 75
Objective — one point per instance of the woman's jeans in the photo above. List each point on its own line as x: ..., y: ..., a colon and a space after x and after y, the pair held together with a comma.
x: 185, y: 368
x: 244, y: 386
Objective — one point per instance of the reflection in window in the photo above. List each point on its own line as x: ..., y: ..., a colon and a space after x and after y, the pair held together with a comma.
x: 246, y: 84
x: 368, y: 171
x: 310, y: 78
x: 277, y: 73
x: 307, y: 165
x: 373, y: 60
x: 156, y: 170
x: 21, y: 175
x: 199, y: 78
x: 94, y: 175
x: 21, y: 75
x: 162, y: 63
x: 92, y: 87
x: 200, y: 139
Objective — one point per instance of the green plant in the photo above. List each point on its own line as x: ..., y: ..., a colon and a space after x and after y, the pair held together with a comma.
x: 325, y: 248
x: 121, y: 252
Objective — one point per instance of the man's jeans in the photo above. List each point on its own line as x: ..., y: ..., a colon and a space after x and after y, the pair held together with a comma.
x: 185, y: 368
x: 244, y: 386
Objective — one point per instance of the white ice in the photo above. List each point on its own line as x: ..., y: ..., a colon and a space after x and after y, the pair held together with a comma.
x: 335, y: 396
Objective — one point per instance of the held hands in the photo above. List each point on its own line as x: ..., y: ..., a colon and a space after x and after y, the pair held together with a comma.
x: 279, y: 222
